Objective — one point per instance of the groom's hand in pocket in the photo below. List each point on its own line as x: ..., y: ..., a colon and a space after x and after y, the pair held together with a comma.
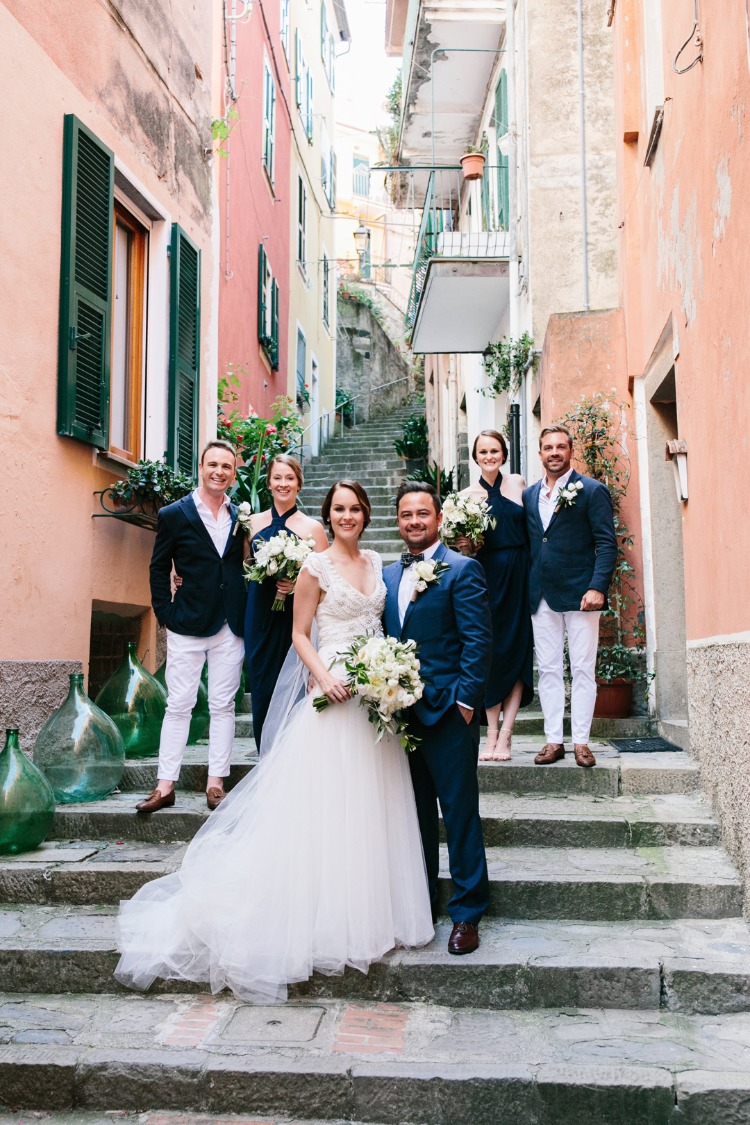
x: 467, y: 713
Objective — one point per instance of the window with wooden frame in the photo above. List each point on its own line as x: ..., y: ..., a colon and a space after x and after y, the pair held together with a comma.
x: 130, y: 241
x: 301, y: 225
x: 268, y: 309
x: 184, y: 352
x: 269, y: 120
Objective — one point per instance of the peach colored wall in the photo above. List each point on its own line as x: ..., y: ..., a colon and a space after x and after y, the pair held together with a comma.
x: 149, y: 105
x: 683, y: 253
x: 584, y: 353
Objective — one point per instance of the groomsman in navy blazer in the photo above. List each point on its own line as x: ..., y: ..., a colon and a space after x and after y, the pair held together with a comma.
x: 573, y: 553
x: 204, y: 620
x: 450, y: 621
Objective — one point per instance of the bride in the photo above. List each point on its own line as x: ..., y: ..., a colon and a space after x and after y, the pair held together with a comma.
x: 314, y: 861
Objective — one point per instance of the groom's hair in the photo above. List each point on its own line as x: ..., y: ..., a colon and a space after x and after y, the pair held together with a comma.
x: 556, y: 430
x: 419, y: 486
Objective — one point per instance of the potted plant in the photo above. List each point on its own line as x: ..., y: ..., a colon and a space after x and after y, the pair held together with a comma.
x: 149, y: 486
x: 413, y: 445
x: 597, y: 428
x: 472, y: 163
x: 344, y: 407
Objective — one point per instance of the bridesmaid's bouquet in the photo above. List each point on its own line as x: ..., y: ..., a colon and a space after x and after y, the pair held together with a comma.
x: 279, y: 557
x: 383, y: 673
x: 462, y: 515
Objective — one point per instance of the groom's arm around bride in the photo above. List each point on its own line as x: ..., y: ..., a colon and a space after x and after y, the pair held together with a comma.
x: 438, y: 598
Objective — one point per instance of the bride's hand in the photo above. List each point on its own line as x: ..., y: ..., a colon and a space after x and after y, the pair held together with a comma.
x: 336, y: 690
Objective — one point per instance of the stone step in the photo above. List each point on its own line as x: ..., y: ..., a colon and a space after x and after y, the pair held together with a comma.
x: 390, y: 1063
x: 508, y: 821
x: 681, y: 966
x: 592, y: 884
x: 158, y: 1117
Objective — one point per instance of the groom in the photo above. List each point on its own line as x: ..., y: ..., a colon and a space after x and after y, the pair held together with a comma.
x: 450, y: 621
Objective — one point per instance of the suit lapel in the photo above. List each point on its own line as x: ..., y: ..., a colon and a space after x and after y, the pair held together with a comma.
x: 233, y: 516
x: 573, y: 477
x: 537, y: 488
x: 437, y: 557
x: 192, y: 514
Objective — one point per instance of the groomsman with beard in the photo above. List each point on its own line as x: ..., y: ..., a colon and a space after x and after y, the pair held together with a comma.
x: 204, y: 621
x: 573, y: 553
x: 450, y: 621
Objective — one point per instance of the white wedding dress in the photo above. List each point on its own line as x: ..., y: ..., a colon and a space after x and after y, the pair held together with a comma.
x: 313, y: 862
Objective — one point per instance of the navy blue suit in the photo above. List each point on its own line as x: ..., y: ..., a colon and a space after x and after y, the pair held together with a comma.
x: 213, y: 587
x: 450, y: 621
x: 578, y: 550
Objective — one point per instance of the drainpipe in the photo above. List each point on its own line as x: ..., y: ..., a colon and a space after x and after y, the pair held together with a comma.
x: 582, y: 115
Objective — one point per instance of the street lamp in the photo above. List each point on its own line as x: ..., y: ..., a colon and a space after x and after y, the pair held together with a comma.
x: 362, y: 243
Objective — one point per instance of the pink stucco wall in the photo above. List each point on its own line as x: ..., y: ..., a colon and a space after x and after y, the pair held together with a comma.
x: 683, y: 254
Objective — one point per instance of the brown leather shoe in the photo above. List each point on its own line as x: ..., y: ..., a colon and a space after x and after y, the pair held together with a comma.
x: 583, y: 755
x: 214, y: 797
x: 156, y: 801
x: 549, y: 753
x: 464, y: 938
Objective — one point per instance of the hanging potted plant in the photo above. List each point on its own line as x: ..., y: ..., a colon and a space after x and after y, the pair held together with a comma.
x: 472, y: 163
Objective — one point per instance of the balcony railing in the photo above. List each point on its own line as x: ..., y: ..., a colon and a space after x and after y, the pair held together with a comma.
x: 439, y: 232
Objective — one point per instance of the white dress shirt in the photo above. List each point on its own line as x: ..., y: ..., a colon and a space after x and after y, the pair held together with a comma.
x: 548, y: 497
x: 218, y: 527
x: 408, y: 581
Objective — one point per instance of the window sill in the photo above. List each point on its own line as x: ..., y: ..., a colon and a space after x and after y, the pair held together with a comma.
x: 113, y: 462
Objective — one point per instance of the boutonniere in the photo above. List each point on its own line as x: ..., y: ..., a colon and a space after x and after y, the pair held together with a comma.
x: 427, y: 573
x: 568, y: 495
x: 244, y: 512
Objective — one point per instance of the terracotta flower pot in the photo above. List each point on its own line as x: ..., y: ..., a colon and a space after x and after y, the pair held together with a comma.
x: 472, y: 164
x: 613, y: 699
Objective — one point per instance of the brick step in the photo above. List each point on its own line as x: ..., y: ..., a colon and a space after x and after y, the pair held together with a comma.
x: 681, y: 966
x: 508, y: 821
x: 335, y: 1060
x: 592, y: 884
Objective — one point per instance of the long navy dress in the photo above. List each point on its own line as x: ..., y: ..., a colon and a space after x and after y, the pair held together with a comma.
x: 505, y: 558
x: 268, y: 635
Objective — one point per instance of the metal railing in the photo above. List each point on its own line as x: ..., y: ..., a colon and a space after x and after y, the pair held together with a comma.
x: 326, y: 429
x: 440, y: 234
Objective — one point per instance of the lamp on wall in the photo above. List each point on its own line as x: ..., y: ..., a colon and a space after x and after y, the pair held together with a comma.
x: 676, y: 452
x: 362, y: 243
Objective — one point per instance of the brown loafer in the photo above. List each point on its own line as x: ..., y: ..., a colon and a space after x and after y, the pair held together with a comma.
x: 214, y: 797
x: 156, y: 801
x: 583, y: 755
x: 464, y: 938
x: 549, y: 753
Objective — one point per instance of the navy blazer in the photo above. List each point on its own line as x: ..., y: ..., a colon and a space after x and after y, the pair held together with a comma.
x: 213, y: 586
x: 577, y: 552
x: 450, y: 621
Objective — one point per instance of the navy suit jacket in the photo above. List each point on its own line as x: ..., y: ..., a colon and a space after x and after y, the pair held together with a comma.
x: 450, y: 621
x: 213, y: 586
x: 578, y: 550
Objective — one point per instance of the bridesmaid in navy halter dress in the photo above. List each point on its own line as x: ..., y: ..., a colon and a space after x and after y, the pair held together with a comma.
x: 505, y: 558
x: 268, y: 635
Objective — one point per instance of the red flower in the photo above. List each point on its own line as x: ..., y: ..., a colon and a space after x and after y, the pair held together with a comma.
x: 270, y: 429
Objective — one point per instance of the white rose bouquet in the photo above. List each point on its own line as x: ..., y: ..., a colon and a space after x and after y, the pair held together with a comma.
x: 383, y: 673
x: 279, y: 557
x: 463, y: 515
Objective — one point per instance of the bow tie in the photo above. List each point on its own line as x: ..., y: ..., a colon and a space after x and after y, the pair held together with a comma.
x: 407, y: 558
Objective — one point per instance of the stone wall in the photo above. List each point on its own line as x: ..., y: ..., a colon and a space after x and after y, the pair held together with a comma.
x: 30, y: 690
x: 368, y: 360
x: 718, y: 677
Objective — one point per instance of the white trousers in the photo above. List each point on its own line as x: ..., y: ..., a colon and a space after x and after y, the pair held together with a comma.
x: 185, y: 659
x: 549, y: 640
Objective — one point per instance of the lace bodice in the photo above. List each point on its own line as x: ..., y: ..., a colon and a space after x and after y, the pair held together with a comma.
x: 345, y: 613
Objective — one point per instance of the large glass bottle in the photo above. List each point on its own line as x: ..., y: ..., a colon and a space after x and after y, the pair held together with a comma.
x: 200, y: 718
x: 79, y: 749
x: 136, y: 702
x: 27, y: 803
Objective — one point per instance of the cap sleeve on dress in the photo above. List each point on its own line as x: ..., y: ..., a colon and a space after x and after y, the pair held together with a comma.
x: 317, y: 564
x: 377, y: 562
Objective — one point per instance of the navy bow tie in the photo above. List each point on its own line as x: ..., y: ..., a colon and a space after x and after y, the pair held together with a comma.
x: 407, y: 558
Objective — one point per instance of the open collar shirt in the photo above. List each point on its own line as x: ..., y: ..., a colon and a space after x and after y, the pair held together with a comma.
x: 548, y: 497
x: 218, y: 527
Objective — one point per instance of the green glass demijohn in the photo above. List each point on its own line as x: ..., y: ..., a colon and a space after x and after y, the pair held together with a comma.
x: 200, y: 718
x: 79, y: 749
x: 27, y: 803
x: 136, y: 702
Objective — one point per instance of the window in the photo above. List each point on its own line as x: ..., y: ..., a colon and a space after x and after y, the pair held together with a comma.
x: 127, y: 368
x: 269, y: 119
x: 301, y: 225
x: 268, y: 309
x: 301, y: 365
x: 303, y: 85
x: 102, y: 336
x: 326, y: 289
x: 328, y: 166
x: 500, y: 120
x: 284, y: 29
x: 361, y: 176
x: 327, y: 46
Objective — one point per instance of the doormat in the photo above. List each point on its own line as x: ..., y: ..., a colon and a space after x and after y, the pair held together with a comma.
x: 644, y: 745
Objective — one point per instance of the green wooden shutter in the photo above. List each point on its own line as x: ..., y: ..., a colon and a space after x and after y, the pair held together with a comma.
x: 323, y: 34
x: 309, y: 106
x: 501, y: 105
x: 299, y: 70
x: 184, y: 353
x: 274, y: 325
x: 261, y: 293
x: 85, y: 286
x: 503, y: 202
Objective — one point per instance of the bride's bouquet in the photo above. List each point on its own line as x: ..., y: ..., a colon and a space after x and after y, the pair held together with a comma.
x: 463, y: 515
x: 383, y: 673
x: 279, y: 557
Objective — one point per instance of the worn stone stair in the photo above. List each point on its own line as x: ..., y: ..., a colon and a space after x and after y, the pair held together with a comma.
x: 612, y: 983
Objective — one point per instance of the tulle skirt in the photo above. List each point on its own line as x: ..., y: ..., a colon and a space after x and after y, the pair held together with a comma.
x: 313, y: 862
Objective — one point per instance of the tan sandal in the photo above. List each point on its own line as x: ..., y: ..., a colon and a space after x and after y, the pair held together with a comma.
x: 488, y: 753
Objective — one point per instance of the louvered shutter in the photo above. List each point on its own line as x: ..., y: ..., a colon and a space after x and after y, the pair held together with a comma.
x: 261, y: 293
x: 274, y: 325
x: 299, y: 70
x: 184, y: 353
x: 503, y: 207
x: 85, y: 284
x: 309, y: 107
x: 501, y: 105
